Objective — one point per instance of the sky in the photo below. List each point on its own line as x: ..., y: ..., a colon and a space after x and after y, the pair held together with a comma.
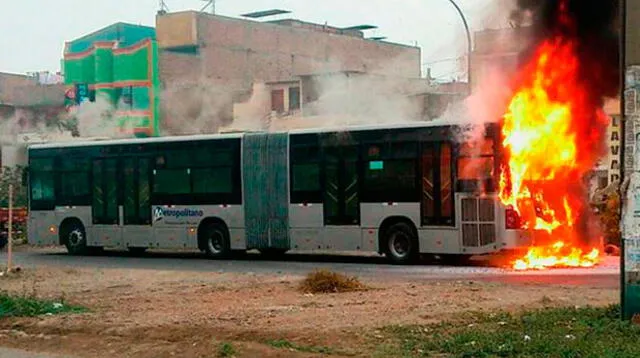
x: 33, y: 32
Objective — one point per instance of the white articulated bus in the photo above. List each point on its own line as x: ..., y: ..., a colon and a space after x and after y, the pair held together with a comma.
x: 400, y: 190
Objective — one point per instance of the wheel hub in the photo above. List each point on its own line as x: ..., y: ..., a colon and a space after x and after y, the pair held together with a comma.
x: 215, y: 242
x: 399, y: 245
x: 75, y: 237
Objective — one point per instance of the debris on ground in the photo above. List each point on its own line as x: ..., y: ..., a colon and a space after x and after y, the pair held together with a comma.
x: 325, y: 281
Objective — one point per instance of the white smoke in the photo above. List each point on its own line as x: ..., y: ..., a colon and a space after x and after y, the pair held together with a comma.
x: 195, y: 108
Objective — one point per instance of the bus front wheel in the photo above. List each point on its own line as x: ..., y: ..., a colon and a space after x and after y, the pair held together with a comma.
x: 75, y: 238
x: 401, y: 243
x: 215, y: 241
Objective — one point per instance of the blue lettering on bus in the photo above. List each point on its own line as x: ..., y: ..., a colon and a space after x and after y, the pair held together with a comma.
x: 160, y: 213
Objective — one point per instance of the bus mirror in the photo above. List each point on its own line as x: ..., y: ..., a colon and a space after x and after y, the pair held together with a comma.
x: 24, y: 177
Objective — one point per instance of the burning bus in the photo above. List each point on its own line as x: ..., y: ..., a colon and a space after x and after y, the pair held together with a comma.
x: 400, y: 190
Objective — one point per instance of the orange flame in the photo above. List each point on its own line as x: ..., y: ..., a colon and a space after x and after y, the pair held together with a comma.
x: 552, y: 136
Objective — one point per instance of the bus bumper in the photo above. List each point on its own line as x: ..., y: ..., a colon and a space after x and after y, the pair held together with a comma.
x: 515, y: 239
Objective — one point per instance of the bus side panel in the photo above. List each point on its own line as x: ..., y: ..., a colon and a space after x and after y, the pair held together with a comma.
x: 441, y: 240
x: 42, y: 228
x: 342, y: 238
x: 306, y: 226
x: 82, y: 213
x: 106, y: 236
x: 137, y: 235
x: 374, y: 214
x: 172, y: 230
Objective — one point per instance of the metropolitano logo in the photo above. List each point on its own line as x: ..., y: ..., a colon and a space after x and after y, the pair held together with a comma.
x: 160, y: 213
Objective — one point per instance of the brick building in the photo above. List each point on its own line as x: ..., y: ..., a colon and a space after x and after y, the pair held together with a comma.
x: 26, y: 104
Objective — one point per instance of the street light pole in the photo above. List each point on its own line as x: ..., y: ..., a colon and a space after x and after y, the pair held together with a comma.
x: 469, y: 45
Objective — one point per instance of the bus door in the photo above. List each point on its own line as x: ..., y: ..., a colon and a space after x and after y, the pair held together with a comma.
x: 104, y: 206
x: 136, y: 189
x: 437, y: 184
x: 341, y: 186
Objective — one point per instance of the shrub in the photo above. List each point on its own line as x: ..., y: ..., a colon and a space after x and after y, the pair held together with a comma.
x: 324, y: 281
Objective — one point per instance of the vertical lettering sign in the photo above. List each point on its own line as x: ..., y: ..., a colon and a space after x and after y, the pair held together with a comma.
x: 614, y: 150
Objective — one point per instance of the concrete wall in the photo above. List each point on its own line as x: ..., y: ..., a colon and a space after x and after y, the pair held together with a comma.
x: 237, y: 52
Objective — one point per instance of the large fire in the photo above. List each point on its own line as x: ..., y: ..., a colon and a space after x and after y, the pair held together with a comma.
x: 552, y: 136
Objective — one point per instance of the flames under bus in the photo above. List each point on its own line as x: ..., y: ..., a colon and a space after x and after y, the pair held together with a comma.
x: 396, y: 190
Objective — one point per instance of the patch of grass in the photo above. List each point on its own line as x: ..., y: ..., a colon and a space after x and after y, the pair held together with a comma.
x: 325, y: 281
x: 284, y: 344
x: 226, y: 350
x: 559, y: 332
x: 30, y: 306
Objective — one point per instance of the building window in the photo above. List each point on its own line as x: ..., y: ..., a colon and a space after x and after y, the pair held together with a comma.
x: 277, y: 101
x: 294, y: 98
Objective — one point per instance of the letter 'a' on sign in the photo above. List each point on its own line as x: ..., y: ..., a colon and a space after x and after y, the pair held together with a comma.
x: 376, y: 165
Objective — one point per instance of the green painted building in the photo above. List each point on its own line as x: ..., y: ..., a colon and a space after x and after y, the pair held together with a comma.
x: 117, y: 65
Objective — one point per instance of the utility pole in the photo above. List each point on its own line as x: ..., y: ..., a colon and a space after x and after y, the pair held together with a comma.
x: 209, y: 3
x: 10, y: 232
x: 162, y: 7
x: 469, y: 43
x: 630, y: 174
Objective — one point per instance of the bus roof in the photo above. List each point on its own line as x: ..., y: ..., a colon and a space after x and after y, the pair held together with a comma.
x: 328, y: 129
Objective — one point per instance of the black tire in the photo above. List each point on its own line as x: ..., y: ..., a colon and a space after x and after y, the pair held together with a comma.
x: 400, y: 244
x: 214, y: 239
x: 137, y: 251
x: 74, y: 237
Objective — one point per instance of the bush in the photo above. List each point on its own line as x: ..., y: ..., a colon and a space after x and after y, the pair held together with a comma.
x: 324, y: 281
x: 30, y: 306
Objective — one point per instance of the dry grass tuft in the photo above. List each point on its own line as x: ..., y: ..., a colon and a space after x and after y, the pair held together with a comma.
x: 325, y: 281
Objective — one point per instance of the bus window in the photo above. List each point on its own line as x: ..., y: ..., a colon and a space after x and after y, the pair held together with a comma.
x: 212, y: 180
x: 476, y: 166
x: 42, y: 186
x: 74, y: 181
x: 390, y: 171
x: 305, y: 174
x: 171, y: 181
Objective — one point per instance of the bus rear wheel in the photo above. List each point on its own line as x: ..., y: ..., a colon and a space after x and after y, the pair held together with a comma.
x: 75, y: 238
x: 400, y: 243
x: 215, y: 241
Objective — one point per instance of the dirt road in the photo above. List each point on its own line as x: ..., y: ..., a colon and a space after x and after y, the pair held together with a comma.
x: 606, y: 275
x: 165, y: 312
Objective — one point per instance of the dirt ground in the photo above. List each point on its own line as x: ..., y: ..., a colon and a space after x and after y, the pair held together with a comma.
x: 141, y: 313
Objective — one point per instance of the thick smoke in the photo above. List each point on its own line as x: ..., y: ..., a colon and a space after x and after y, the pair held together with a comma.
x: 592, y: 25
